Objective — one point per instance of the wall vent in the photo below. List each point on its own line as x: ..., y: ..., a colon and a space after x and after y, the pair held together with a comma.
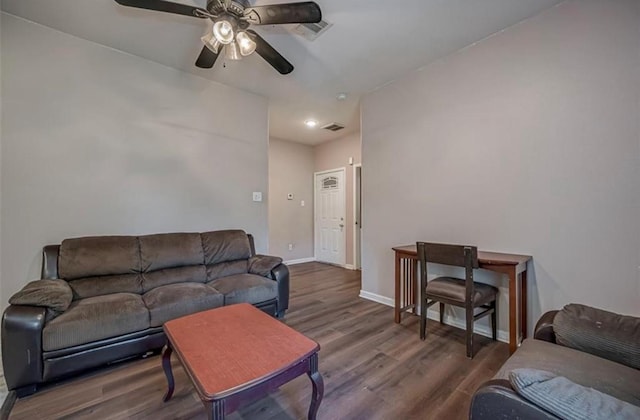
x: 333, y: 127
x: 311, y: 31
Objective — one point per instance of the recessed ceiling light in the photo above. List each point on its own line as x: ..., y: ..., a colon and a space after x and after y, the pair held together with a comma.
x: 311, y: 123
x: 341, y: 96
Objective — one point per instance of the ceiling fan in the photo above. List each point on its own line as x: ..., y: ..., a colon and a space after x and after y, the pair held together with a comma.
x: 231, y: 20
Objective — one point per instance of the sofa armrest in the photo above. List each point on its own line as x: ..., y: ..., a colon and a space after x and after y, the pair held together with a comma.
x: 280, y: 274
x: 54, y: 294
x: 263, y: 265
x: 496, y: 399
x: 544, y: 327
x: 22, y: 345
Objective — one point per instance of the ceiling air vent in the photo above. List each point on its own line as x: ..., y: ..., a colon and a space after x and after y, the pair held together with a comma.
x: 333, y: 127
x: 311, y: 31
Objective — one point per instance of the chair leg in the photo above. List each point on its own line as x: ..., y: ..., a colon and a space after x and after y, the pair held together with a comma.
x: 494, y: 321
x: 441, y: 313
x: 423, y: 319
x: 469, y: 332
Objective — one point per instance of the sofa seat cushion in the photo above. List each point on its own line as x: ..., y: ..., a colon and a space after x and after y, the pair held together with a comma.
x: 96, y: 318
x: 612, y: 378
x: 245, y: 288
x: 175, y: 300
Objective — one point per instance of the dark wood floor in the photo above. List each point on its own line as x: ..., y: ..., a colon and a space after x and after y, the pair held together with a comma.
x: 372, y: 368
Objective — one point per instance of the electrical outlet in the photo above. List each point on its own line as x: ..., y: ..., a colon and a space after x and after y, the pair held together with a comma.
x: 257, y: 196
x: 290, y: 247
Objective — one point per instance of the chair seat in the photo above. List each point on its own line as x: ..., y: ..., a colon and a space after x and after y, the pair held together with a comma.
x: 454, y: 289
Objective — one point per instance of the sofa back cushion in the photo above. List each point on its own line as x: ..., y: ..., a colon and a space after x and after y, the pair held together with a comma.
x: 168, y: 250
x: 601, y: 333
x: 171, y: 258
x: 98, y: 256
x: 226, y: 253
x: 106, y: 285
x: 227, y: 268
x: 100, y: 265
x: 225, y: 245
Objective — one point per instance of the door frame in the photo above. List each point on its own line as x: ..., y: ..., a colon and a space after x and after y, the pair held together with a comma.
x: 357, y: 227
x: 315, y: 203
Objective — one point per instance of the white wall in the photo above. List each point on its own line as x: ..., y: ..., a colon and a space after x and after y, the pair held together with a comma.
x: 526, y: 142
x: 290, y: 171
x: 96, y: 141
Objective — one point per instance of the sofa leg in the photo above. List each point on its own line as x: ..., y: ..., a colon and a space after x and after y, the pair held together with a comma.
x: 280, y: 314
x: 25, y: 390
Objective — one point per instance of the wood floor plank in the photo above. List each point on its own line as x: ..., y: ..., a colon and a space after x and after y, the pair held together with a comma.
x: 372, y: 367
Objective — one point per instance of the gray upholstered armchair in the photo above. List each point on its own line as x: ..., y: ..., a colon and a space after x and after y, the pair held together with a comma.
x: 591, y: 350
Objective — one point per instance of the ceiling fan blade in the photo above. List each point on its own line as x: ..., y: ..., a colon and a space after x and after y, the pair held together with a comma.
x: 270, y: 55
x: 165, y: 6
x: 275, y: 14
x: 206, y: 59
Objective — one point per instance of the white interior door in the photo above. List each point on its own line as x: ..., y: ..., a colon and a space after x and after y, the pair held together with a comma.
x: 330, y: 238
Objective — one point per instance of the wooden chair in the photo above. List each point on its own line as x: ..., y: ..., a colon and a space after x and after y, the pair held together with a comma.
x: 463, y: 293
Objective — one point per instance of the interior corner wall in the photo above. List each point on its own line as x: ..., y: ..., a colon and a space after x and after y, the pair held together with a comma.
x: 96, y: 142
x: 526, y: 142
x: 335, y: 154
x: 290, y: 172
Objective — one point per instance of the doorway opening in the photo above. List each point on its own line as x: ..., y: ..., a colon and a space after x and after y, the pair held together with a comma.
x: 357, y: 216
x: 330, y: 215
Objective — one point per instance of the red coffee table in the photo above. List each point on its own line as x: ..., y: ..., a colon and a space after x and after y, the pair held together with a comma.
x: 237, y: 354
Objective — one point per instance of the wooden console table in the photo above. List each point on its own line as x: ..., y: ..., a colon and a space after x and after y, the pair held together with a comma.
x: 514, y: 266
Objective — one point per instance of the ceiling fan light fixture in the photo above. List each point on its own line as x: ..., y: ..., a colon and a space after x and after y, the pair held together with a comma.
x: 245, y: 43
x: 223, y: 31
x: 232, y: 51
x: 211, y: 42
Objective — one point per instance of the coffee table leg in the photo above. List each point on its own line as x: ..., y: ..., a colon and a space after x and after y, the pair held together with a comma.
x: 215, y: 409
x: 166, y: 366
x: 318, y: 386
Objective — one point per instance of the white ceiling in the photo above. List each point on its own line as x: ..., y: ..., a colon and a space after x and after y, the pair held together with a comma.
x: 371, y: 43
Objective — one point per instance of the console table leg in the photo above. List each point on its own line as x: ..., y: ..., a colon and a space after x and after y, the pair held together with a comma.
x: 318, y: 387
x: 166, y: 366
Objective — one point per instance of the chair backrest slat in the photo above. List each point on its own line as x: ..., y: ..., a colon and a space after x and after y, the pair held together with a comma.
x: 447, y: 254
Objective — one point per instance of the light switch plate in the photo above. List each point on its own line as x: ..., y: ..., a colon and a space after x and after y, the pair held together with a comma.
x: 257, y: 196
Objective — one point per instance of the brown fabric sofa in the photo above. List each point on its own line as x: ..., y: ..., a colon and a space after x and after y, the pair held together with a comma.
x: 604, y: 360
x: 103, y: 299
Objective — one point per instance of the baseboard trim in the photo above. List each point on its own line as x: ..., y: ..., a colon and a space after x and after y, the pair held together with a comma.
x: 300, y: 261
x: 349, y: 267
x: 503, y: 336
x: 377, y: 298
